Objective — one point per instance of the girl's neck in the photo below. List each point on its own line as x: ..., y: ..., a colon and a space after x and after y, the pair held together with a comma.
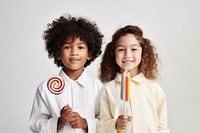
x: 132, y: 72
x: 73, y: 74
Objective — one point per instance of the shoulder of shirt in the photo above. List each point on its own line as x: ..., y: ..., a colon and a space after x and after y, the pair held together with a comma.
x: 110, y: 84
x: 96, y: 81
x: 42, y: 86
x: 93, y: 79
x: 154, y: 86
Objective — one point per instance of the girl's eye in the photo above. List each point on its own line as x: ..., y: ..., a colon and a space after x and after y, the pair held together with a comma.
x: 134, y: 49
x: 120, y: 49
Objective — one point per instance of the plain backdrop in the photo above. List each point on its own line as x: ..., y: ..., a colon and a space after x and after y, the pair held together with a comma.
x: 172, y: 25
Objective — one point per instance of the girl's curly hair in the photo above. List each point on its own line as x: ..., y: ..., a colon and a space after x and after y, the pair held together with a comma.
x: 63, y: 28
x: 148, y: 65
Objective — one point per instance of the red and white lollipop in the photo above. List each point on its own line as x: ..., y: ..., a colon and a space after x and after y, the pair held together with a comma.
x: 56, y: 85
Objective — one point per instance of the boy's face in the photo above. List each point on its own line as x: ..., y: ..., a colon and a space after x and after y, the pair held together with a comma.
x: 74, y: 54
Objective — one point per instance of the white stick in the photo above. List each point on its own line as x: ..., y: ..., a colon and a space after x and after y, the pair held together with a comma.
x: 62, y: 101
x: 124, y: 107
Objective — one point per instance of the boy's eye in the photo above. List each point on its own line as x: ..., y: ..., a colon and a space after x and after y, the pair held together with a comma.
x: 81, y: 47
x: 67, y: 47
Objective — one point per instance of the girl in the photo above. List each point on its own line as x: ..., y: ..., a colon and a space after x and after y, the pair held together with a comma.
x: 69, y: 103
x: 146, y: 109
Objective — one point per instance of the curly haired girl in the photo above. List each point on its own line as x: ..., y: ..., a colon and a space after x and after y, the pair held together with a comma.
x: 146, y: 109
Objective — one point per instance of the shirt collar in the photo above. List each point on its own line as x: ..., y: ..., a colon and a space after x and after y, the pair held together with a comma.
x: 140, y: 78
x: 82, y: 80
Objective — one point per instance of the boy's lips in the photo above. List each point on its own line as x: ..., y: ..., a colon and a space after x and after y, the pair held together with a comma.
x: 74, y: 60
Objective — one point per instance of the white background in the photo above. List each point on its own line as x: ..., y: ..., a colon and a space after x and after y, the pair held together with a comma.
x: 172, y: 25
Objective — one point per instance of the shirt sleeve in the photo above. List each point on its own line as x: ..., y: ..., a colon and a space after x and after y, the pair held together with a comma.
x: 40, y: 119
x: 92, y: 123
x: 107, y: 122
x: 162, y: 112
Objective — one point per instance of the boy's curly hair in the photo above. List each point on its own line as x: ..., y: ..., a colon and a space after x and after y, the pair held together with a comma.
x: 148, y: 65
x: 63, y: 28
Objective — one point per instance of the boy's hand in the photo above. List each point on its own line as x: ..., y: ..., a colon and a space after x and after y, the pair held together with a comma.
x: 77, y: 121
x: 122, y: 122
x: 65, y: 114
x: 65, y: 117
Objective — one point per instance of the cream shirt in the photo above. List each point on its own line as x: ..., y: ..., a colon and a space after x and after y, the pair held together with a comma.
x: 147, y: 106
x: 82, y: 95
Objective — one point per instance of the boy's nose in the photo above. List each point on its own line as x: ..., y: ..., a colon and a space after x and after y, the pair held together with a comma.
x: 74, y: 52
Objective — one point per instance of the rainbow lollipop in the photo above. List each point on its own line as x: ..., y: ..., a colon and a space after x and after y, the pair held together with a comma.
x: 125, y: 88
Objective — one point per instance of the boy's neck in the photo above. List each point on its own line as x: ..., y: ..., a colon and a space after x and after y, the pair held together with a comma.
x: 73, y: 74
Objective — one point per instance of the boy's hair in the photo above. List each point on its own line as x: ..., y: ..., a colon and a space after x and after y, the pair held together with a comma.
x: 148, y: 65
x: 63, y: 28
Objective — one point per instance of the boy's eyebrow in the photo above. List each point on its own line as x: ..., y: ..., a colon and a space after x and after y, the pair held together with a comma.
x: 79, y: 43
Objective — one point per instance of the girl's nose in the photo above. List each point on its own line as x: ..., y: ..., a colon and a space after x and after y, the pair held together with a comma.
x: 127, y: 53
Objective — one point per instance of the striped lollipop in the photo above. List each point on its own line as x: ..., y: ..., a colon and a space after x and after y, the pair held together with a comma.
x: 125, y: 88
x: 56, y: 85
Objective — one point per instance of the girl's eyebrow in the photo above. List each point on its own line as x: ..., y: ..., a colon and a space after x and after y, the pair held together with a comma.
x: 121, y: 45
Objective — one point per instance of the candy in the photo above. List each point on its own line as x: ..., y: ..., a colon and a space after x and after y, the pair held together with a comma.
x: 56, y: 85
x: 125, y: 86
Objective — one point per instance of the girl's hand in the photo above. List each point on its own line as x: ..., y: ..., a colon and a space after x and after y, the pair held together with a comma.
x: 77, y: 121
x: 122, y: 122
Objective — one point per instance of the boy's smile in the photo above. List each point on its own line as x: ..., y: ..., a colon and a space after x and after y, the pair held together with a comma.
x: 74, y: 54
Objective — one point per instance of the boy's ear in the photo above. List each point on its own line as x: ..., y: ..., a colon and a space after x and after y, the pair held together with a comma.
x: 57, y: 56
x: 89, y: 56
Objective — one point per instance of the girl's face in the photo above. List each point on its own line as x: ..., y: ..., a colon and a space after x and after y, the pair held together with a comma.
x: 74, y: 54
x: 128, y: 54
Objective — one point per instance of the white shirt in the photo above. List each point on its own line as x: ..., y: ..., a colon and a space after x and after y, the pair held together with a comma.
x: 82, y: 95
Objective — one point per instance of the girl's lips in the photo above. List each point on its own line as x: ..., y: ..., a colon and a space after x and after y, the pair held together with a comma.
x: 127, y: 61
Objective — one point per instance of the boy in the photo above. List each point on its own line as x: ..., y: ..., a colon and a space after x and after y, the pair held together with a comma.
x: 69, y: 102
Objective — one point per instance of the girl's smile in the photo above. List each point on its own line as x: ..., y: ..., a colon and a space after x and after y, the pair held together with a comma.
x: 128, y: 53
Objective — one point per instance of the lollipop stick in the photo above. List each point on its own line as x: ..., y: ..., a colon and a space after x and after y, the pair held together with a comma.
x: 124, y: 107
x: 62, y: 101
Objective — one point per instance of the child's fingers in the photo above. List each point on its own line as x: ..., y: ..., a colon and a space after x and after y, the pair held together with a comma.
x: 122, y: 122
x: 77, y: 121
x: 130, y: 118
x: 65, y: 110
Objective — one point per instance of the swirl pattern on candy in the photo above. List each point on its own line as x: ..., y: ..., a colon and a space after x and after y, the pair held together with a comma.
x: 56, y: 85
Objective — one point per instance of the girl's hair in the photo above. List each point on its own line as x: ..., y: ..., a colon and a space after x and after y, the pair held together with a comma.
x: 63, y: 28
x: 148, y: 65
